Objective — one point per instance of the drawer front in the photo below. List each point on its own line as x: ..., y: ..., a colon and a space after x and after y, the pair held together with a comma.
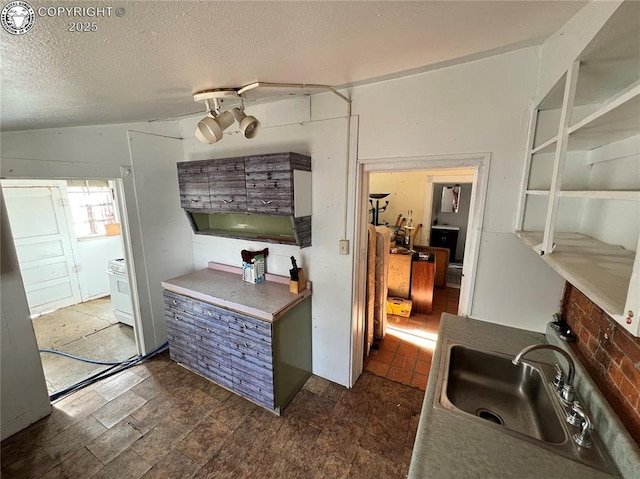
x: 179, y: 320
x: 182, y: 337
x: 212, y: 343
x: 176, y: 302
x: 216, y: 369
x: 255, y: 393
x: 182, y: 347
x: 257, y: 352
x: 209, y: 312
x: 251, y: 327
x: 248, y: 383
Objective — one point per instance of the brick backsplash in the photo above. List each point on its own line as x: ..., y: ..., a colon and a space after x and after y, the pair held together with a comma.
x: 609, y: 353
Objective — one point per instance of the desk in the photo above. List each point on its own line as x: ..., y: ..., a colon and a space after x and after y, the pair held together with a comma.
x: 422, y: 279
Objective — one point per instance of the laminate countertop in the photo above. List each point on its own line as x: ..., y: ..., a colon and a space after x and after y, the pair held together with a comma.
x: 267, y: 301
x: 449, y: 445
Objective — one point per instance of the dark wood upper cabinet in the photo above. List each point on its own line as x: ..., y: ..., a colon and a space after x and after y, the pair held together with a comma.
x: 227, y: 185
x: 261, y: 197
x: 193, y: 182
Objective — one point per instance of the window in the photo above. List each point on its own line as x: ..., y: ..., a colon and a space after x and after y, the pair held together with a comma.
x: 92, y: 207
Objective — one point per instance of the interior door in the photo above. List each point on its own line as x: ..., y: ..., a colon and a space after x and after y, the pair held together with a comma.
x: 44, y: 246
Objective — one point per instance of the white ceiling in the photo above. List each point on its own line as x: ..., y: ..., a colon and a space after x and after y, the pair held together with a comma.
x: 147, y: 63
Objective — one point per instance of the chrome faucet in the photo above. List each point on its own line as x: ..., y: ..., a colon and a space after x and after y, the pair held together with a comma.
x: 566, y: 394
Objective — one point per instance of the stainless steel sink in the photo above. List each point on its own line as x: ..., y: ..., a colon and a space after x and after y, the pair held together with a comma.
x: 486, y: 387
x: 490, y: 387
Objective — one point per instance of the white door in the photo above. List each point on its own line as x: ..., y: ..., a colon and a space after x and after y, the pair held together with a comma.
x: 44, y: 246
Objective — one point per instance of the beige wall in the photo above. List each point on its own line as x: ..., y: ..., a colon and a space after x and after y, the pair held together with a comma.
x: 407, y: 192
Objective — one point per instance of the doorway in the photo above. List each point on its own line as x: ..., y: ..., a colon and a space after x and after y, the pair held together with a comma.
x: 67, y: 233
x: 445, y: 165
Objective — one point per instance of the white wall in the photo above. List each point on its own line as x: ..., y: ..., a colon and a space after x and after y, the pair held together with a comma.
x: 330, y: 273
x: 95, y: 254
x: 407, y: 193
x: 480, y: 106
x: 24, y: 394
x: 145, y: 163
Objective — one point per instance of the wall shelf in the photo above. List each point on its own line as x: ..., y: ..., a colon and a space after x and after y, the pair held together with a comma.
x: 600, y: 270
x: 580, y: 191
x: 538, y: 192
x: 616, y: 121
x: 602, y: 195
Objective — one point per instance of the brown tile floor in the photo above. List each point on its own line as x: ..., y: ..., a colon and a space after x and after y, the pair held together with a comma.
x: 405, y: 353
x: 159, y: 420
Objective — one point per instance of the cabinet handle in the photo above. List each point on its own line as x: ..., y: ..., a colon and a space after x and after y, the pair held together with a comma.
x: 267, y: 202
x: 227, y: 201
x: 194, y: 201
x: 175, y: 303
x: 209, y: 313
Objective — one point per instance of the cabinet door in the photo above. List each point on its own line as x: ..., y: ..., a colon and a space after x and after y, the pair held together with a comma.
x: 193, y: 182
x: 227, y: 185
x: 442, y: 238
x: 212, y: 344
x: 269, y: 183
x: 180, y: 329
x: 250, y: 346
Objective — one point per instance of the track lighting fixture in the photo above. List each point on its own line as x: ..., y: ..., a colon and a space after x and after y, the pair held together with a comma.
x: 249, y: 125
x: 211, y: 128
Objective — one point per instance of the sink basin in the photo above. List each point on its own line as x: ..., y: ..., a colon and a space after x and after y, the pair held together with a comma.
x: 489, y: 386
x: 486, y: 387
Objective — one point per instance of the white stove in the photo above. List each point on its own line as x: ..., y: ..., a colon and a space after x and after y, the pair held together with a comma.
x: 117, y: 266
x: 120, y: 292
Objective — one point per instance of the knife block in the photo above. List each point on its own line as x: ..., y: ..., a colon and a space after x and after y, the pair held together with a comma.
x: 297, y: 286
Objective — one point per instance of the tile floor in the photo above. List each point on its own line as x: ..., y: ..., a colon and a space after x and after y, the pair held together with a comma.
x: 159, y: 420
x: 88, y: 330
x: 405, y: 353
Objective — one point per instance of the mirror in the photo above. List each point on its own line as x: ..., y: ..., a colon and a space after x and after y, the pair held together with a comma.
x: 450, y: 199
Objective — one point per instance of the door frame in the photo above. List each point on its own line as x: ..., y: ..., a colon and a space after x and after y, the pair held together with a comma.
x: 480, y: 163
x: 125, y: 235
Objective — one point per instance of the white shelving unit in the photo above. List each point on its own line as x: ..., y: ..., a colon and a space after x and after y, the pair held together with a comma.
x: 580, y: 202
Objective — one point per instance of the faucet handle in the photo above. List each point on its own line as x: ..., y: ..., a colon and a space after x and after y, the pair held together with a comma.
x: 558, y: 381
x: 582, y: 438
x: 573, y: 417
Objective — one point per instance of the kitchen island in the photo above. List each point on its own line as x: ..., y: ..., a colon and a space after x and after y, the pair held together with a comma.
x: 253, y: 339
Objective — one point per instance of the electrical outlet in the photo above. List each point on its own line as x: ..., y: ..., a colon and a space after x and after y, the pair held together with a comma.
x: 344, y: 246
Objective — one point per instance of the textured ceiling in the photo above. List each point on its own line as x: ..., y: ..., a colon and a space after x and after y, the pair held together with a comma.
x: 147, y: 63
